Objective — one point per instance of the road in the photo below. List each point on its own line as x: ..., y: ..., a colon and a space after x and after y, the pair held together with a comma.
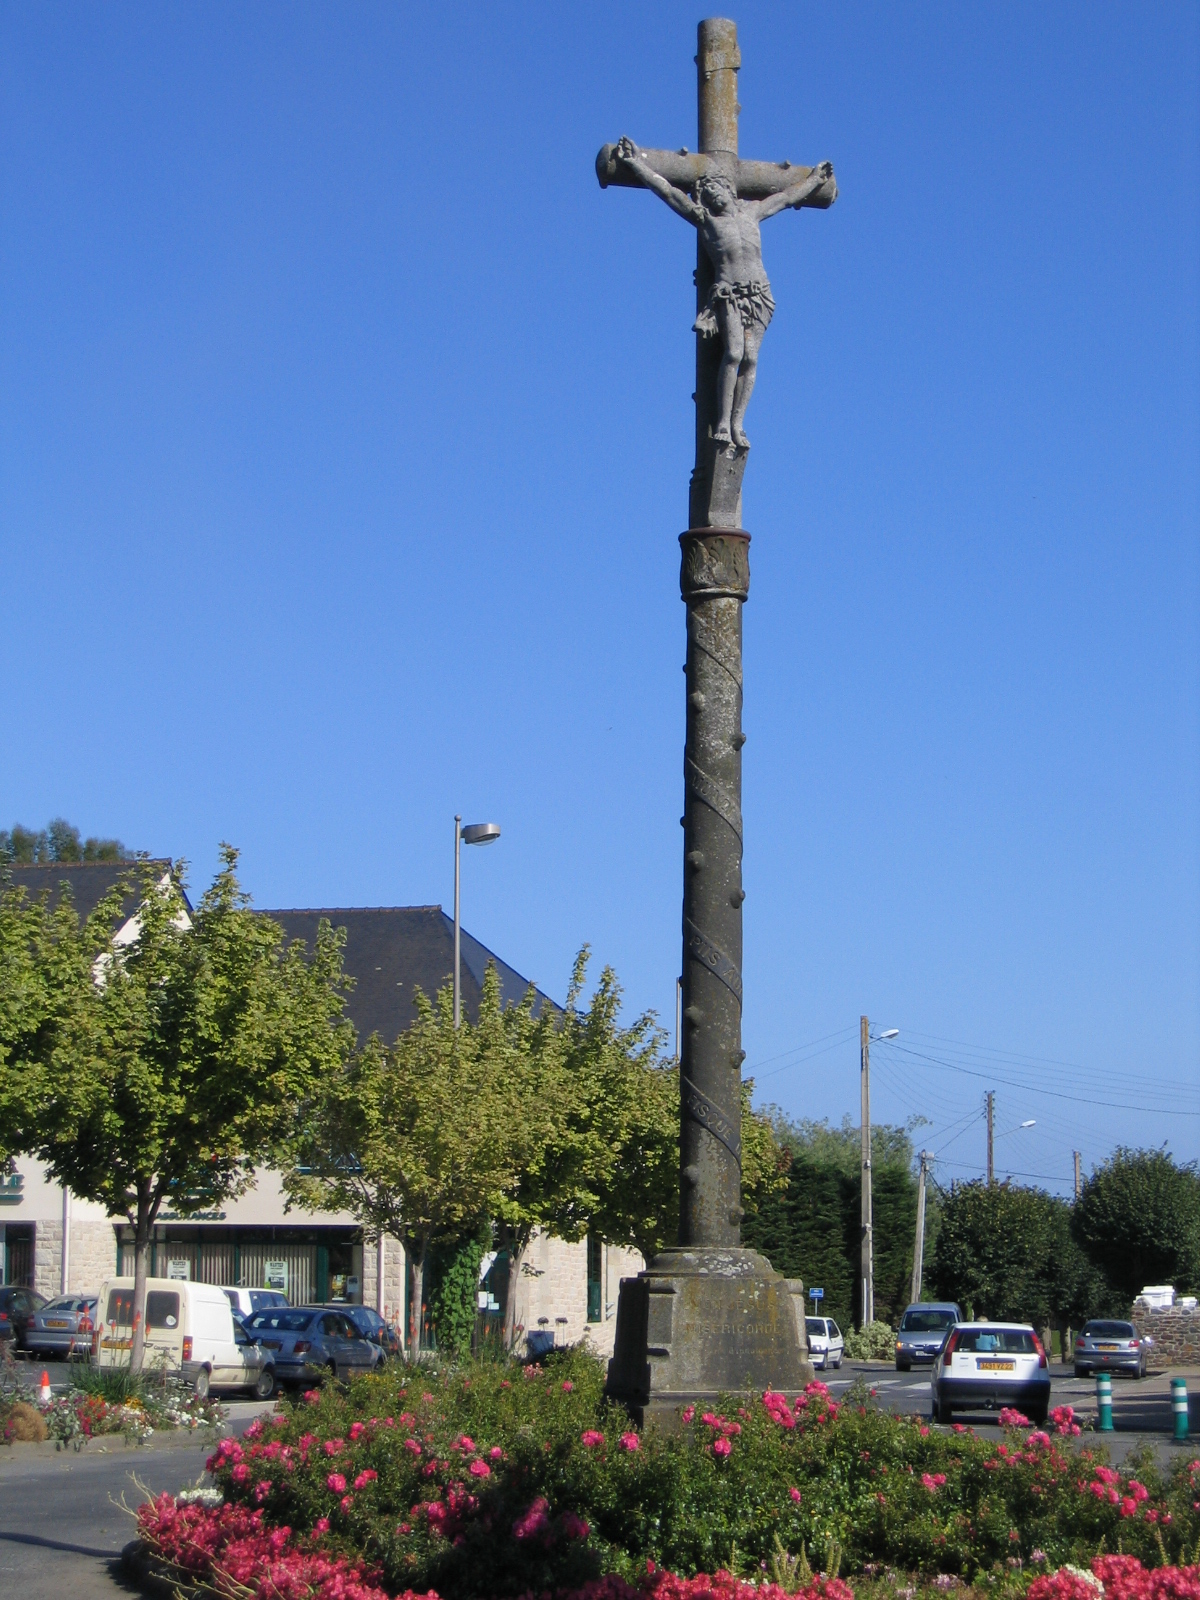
x: 1140, y: 1408
x: 61, y: 1522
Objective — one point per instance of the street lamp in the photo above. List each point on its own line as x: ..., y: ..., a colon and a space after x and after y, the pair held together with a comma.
x: 868, y: 1221
x: 473, y: 833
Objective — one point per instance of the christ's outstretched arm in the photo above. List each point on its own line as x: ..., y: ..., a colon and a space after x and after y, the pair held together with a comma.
x: 796, y: 195
x: 675, y: 198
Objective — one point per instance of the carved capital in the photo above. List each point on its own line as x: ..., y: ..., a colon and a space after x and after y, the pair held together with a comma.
x: 714, y: 564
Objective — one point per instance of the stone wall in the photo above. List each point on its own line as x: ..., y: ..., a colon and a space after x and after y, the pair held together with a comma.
x: 93, y: 1256
x: 393, y: 1279
x: 552, y: 1284
x: 47, y: 1258
x: 1176, y: 1335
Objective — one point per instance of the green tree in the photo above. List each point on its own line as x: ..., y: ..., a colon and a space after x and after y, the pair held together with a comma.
x: 165, y: 1069
x: 1005, y: 1251
x: 59, y: 841
x: 424, y: 1139
x: 1138, y: 1220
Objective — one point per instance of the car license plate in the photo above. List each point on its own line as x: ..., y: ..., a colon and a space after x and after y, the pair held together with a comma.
x: 995, y: 1366
x: 1108, y: 1347
x: 52, y: 1323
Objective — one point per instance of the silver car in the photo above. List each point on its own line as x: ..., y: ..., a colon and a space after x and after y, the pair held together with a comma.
x: 63, y: 1328
x: 1110, y: 1347
x: 922, y: 1332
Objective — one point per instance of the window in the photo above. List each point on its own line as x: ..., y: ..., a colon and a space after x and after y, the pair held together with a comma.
x: 162, y: 1309
x: 1109, y: 1330
x: 834, y: 1331
x: 283, y: 1320
x: 926, y: 1321
x: 815, y: 1326
x: 331, y: 1325
x: 990, y: 1341
x: 595, y: 1279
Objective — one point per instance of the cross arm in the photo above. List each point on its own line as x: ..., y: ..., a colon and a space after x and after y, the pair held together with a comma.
x: 682, y: 168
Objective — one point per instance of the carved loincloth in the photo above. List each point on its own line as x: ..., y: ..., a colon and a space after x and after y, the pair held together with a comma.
x: 753, y: 302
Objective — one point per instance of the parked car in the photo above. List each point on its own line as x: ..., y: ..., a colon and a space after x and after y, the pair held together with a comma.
x: 1113, y: 1346
x: 373, y: 1327
x: 18, y: 1307
x: 922, y: 1332
x: 312, y: 1342
x: 189, y: 1329
x: 63, y: 1327
x: 246, y: 1302
x: 984, y: 1366
x: 825, y: 1343
x: 249, y: 1366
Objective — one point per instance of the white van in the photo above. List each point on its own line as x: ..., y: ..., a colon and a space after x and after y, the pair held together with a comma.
x: 189, y: 1329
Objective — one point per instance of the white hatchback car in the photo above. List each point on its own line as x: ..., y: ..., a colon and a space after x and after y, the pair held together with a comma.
x: 825, y: 1343
x: 984, y: 1366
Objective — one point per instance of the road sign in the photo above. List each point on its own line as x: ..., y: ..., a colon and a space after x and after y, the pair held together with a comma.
x: 817, y: 1294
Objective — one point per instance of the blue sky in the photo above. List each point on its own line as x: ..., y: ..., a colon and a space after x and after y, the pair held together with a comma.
x: 344, y: 444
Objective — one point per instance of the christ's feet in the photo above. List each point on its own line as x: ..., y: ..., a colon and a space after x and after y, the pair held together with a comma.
x: 740, y: 439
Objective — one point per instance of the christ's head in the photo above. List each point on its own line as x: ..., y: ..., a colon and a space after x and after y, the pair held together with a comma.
x: 715, y: 193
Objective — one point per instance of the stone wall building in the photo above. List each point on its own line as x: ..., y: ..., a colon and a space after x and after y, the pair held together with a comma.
x: 568, y: 1290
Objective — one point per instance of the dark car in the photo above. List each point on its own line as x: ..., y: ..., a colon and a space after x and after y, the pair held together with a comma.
x: 922, y: 1332
x: 312, y: 1342
x: 373, y: 1327
x: 63, y: 1327
x: 1105, y: 1346
x: 18, y: 1307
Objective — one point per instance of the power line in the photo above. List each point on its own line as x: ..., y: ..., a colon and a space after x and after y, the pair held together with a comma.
x: 1058, y: 1094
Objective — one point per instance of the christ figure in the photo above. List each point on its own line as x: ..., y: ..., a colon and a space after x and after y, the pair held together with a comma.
x: 739, y: 304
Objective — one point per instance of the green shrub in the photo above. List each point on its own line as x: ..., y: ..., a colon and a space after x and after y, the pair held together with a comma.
x: 875, y: 1342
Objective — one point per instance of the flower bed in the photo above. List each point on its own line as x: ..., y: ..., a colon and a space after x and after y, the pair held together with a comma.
x: 499, y: 1481
x: 77, y: 1415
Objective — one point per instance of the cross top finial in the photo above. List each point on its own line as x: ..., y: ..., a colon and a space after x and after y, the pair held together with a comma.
x: 717, y: 61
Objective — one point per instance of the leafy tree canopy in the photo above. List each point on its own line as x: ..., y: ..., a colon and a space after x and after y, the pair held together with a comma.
x: 1007, y: 1253
x: 58, y: 841
x: 1138, y: 1219
x: 158, y: 1073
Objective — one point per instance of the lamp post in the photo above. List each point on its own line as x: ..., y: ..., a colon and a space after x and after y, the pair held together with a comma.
x: 868, y: 1225
x: 473, y: 833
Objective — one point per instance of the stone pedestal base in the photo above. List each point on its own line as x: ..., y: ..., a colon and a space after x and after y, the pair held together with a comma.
x: 703, y: 1322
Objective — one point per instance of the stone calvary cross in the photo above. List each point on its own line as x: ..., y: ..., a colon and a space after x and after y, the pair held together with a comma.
x: 707, y: 1316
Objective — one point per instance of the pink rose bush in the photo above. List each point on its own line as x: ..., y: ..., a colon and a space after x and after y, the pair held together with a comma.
x: 480, y: 1485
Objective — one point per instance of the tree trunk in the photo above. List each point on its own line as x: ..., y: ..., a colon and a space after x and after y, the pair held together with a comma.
x: 516, y: 1254
x: 418, y: 1255
x: 141, y: 1264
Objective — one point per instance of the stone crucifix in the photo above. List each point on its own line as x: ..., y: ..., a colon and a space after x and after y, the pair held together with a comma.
x: 709, y: 1316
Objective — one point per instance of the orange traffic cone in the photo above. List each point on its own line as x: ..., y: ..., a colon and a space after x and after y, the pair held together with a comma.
x: 44, y: 1391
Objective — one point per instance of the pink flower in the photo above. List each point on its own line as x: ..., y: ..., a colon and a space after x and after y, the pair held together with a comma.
x: 573, y: 1526
x: 336, y: 1483
x: 630, y: 1441
x: 313, y: 1396
x: 495, y: 1453
x: 591, y: 1438
x: 346, y: 1502
x: 334, y: 1447
x: 240, y: 1473
x: 357, y: 1429
x: 412, y: 1446
x: 465, y: 1442
x: 532, y: 1520
x: 321, y: 1525
x: 261, y: 1490
x: 795, y: 1494
x: 688, y: 1413
x: 365, y: 1477
x: 721, y: 1447
x: 933, y: 1481
x: 567, y: 1385
x: 480, y: 1469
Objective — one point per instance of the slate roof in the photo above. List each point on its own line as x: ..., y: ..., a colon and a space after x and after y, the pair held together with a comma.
x: 391, y: 951
x: 90, y: 881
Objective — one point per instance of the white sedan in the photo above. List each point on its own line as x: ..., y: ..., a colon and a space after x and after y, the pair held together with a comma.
x: 825, y: 1343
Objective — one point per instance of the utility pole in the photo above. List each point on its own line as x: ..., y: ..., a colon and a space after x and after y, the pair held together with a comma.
x: 991, y: 1125
x: 1075, y: 1153
x: 919, y: 1241
x: 868, y: 1254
